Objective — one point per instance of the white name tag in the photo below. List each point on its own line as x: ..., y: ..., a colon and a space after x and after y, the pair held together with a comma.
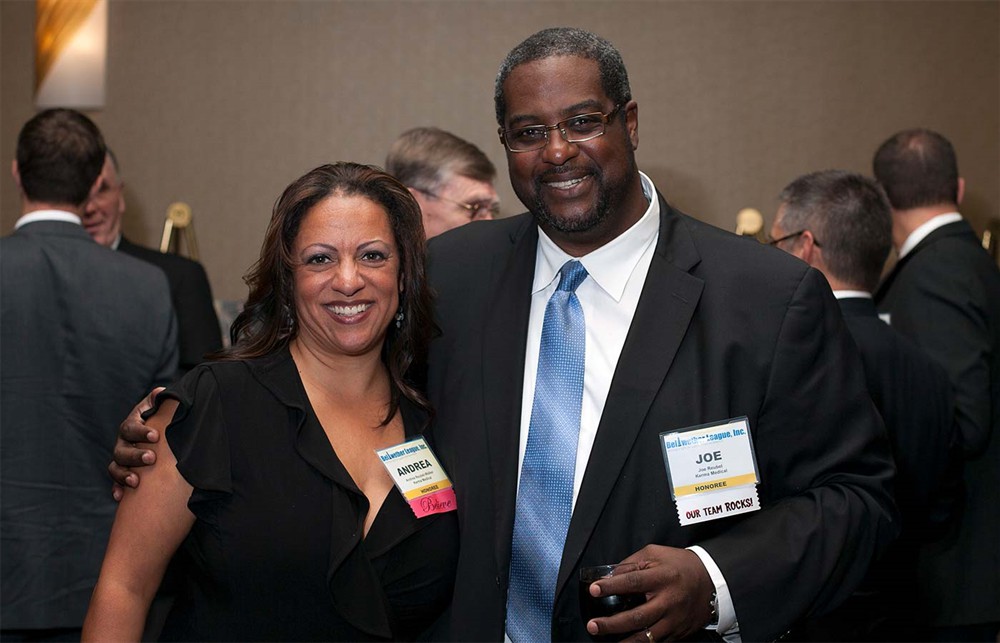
x: 419, y: 477
x: 712, y: 470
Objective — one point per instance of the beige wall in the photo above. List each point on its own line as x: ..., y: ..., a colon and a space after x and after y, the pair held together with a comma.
x: 221, y: 104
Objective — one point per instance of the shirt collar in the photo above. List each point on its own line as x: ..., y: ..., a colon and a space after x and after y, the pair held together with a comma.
x: 47, y: 215
x: 114, y: 244
x: 611, y: 265
x: 848, y: 294
x: 925, y: 229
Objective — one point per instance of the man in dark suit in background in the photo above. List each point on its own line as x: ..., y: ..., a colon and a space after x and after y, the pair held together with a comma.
x: 85, y: 333
x: 659, y: 324
x: 197, y: 324
x: 684, y: 325
x: 839, y: 223
x: 944, y: 294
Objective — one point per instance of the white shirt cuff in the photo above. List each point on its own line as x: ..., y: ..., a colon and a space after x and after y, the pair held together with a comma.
x: 728, y: 627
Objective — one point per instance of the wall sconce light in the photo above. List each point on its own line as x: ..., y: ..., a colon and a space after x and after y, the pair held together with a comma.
x: 71, y: 52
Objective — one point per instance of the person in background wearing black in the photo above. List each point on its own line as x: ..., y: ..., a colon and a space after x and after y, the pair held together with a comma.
x: 198, y: 331
x: 838, y: 222
x: 944, y: 295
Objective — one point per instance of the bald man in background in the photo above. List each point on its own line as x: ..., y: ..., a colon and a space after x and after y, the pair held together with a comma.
x: 944, y: 294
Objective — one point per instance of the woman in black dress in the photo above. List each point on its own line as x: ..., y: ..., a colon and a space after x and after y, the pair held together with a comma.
x: 291, y: 527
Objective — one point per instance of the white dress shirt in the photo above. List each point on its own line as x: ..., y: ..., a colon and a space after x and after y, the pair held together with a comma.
x: 609, y: 298
x: 928, y: 227
x: 851, y: 294
x: 47, y: 215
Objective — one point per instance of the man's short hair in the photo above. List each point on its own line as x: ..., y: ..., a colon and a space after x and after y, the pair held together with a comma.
x: 917, y: 168
x: 60, y: 153
x: 849, y: 215
x: 425, y: 157
x: 566, y: 41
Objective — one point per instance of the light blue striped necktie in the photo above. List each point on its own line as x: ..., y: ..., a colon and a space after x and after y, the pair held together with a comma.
x: 545, y: 494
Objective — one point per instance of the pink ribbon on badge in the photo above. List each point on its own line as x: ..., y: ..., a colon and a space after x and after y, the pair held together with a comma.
x: 434, y: 503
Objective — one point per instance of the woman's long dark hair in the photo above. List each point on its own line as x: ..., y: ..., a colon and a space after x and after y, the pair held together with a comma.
x: 268, y: 323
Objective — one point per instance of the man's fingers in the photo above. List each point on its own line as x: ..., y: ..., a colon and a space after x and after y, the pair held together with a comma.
x: 669, y: 580
x: 133, y: 428
x: 148, y: 401
x: 633, y: 620
x: 648, y: 635
x: 122, y: 477
x: 637, y: 581
x: 128, y: 455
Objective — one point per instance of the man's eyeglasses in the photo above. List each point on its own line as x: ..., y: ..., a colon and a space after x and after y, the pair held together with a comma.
x: 774, y: 242
x: 477, y: 210
x: 577, y: 129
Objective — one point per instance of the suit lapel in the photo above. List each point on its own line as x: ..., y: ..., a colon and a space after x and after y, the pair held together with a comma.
x: 504, y: 338
x: 666, y: 306
x: 886, y: 285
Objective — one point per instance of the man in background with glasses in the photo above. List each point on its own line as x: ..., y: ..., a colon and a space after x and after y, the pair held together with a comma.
x: 451, y: 179
x: 198, y: 330
x: 850, y: 213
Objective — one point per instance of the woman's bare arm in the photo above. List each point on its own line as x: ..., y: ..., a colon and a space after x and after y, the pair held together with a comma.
x: 151, y: 523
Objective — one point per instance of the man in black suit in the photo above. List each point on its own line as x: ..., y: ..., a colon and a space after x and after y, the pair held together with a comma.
x: 198, y: 326
x: 944, y: 294
x: 85, y: 333
x: 684, y: 325
x: 839, y: 223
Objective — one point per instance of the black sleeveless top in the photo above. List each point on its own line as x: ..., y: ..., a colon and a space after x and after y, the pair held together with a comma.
x: 277, y: 550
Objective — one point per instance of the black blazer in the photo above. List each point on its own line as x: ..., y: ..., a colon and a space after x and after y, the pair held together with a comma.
x: 197, y: 324
x: 913, y: 395
x: 945, y: 296
x: 724, y: 327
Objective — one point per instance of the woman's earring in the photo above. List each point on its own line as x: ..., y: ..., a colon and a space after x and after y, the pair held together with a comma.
x: 400, y: 317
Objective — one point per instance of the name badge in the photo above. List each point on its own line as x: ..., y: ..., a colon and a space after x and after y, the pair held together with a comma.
x: 712, y: 470
x: 419, y: 477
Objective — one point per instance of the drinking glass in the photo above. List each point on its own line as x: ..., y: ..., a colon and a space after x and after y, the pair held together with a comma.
x: 606, y: 605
